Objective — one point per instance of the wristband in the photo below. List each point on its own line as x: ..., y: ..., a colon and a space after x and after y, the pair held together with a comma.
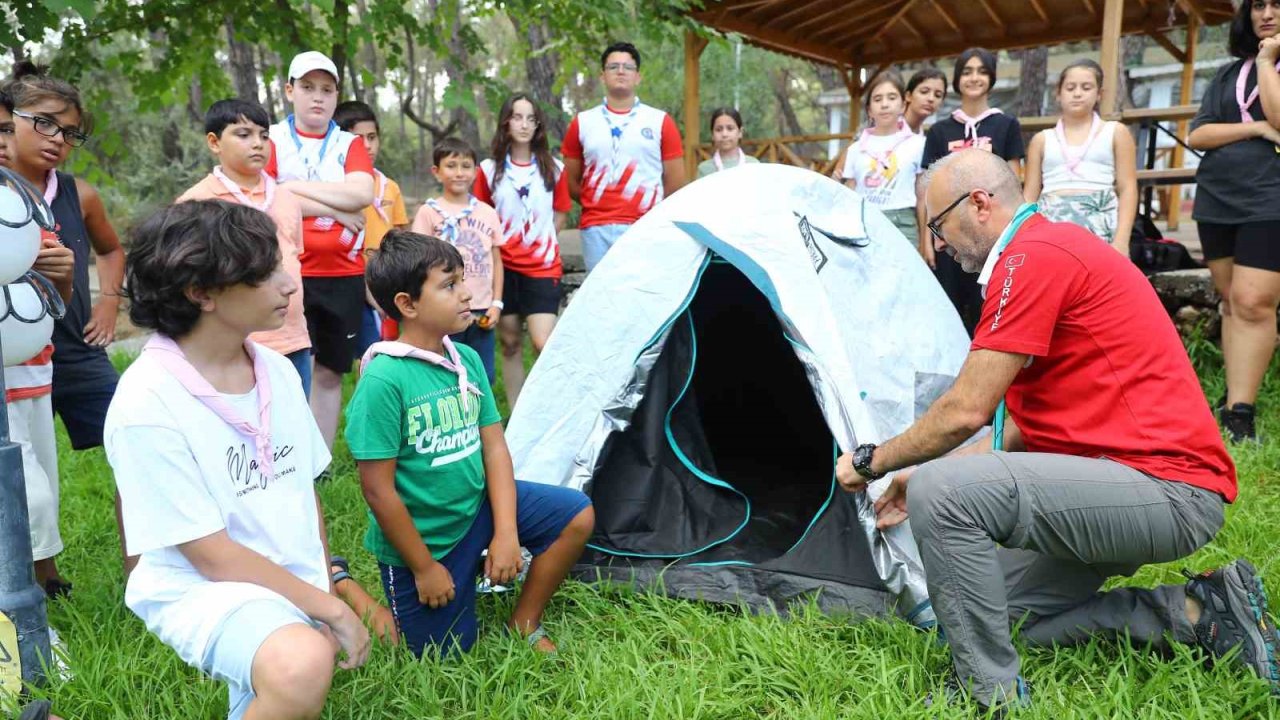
x: 498, y: 304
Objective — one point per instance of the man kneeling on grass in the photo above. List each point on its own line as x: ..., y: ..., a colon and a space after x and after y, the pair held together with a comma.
x: 434, y: 464
x: 1115, y: 460
x: 215, y: 452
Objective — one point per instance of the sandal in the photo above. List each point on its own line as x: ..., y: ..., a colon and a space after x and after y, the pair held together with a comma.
x: 539, y: 633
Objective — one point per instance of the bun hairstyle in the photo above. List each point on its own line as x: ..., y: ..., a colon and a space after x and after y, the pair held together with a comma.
x: 31, y: 84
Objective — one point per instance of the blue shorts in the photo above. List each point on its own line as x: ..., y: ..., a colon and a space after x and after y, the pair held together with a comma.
x: 542, y: 513
x: 480, y: 340
x: 301, y: 360
x: 597, y: 240
x: 235, y: 643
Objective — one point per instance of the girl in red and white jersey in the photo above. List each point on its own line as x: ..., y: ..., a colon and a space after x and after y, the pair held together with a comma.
x: 529, y: 189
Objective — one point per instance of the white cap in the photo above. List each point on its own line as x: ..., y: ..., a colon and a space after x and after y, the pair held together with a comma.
x: 304, y: 63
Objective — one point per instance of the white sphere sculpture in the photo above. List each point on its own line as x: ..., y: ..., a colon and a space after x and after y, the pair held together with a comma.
x: 18, y: 246
x: 22, y: 341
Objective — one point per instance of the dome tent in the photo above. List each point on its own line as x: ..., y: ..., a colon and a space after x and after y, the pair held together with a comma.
x: 703, y: 380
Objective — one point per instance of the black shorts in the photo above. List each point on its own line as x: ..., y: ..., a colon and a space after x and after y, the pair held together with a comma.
x: 333, y: 306
x: 523, y: 295
x: 1254, y: 244
x: 82, y: 392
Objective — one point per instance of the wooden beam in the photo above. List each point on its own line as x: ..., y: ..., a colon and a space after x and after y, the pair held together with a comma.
x: 1163, y: 41
x: 1184, y: 98
x: 853, y: 83
x: 1112, y: 21
x: 995, y: 16
x: 1192, y: 9
x: 1039, y: 8
x: 906, y: 23
x: 900, y: 15
x: 694, y: 44
x: 878, y: 9
x: 771, y: 39
x: 802, y: 10
x: 1088, y: 5
x: 947, y: 17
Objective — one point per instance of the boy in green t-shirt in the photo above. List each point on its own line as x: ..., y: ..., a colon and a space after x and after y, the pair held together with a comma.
x: 434, y: 465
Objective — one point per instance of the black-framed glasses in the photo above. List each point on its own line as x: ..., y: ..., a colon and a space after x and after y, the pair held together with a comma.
x: 621, y: 67
x: 49, y: 128
x: 935, y: 225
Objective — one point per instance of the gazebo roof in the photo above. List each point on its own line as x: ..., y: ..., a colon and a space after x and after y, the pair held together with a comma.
x: 852, y: 33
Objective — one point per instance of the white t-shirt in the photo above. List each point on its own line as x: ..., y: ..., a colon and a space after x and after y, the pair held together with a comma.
x: 888, y: 188
x: 184, y: 474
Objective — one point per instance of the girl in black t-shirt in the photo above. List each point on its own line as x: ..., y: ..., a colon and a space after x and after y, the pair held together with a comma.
x: 974, y: 124
x: 1236, y: 211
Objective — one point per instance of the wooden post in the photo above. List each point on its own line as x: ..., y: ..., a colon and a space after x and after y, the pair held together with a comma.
x: 1112, y: 20
x: 694, y: 44
x: 1184, y: 98
x: 853, y: 83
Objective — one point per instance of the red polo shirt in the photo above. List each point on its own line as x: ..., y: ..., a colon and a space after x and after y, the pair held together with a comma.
x: 1109, y: 376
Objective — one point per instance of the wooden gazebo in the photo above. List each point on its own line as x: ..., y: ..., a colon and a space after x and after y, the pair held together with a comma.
x: 853, y: 35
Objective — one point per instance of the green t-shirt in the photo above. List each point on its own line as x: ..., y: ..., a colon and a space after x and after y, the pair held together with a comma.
x: 411, y: 410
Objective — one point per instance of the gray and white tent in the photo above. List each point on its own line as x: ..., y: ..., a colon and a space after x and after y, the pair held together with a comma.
x: 702, y: 381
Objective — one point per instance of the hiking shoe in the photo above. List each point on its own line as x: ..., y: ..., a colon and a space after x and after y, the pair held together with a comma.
x: 1238, y: 421
x: 953, y: 694
x: 1234, y: 615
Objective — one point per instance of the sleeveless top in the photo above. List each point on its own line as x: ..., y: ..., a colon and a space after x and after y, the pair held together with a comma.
x: 74, y: 360
x: 1096, y: 171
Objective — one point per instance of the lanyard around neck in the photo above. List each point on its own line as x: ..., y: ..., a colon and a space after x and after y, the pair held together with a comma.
x: 1025, y: 211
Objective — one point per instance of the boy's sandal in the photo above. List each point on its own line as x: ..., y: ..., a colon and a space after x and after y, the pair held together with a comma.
x: 37, y: 710
x: 539, y: 633
x: 344, y: 569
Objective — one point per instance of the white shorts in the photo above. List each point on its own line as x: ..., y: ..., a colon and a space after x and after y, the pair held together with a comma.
x: 231, y: 650
x: 31, y: 428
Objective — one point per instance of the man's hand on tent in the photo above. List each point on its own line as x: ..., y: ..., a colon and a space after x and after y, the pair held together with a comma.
x: 849, y: 478
x: 891, y: 508
x: 435, y: 586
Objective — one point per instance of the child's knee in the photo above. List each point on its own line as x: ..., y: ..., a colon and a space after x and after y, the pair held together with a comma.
x: 294, y: 668
x: 582, y: 525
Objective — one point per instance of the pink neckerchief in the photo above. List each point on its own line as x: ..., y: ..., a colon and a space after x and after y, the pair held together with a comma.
x: 1074, y: 159
x: 1241, y: 81
x: 170, y: 356
x: 50, y: 187
x: 903, y: 134
x: 971, y: 123
x: 269, y: 192
x: 382, y: 193
x: 453, y: 363
x: 715, y: 158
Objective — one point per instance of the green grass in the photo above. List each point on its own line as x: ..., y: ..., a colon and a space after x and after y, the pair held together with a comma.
x: 631, y: 655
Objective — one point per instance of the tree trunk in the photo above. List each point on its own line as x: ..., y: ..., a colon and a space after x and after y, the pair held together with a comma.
x: 419, y: 116
x: 244, y: 72
x: 1131, y: 50
x: 456, y: 65
x: 542, y: 65
x: 788, y: 123
x: 1032, y: 81
x: 270, y: 103
x: 338, y: 22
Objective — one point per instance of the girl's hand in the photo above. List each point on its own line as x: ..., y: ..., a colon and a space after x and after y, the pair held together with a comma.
x: 1265, y: 131
x: 101, y: 328
x: 383, y: 624
x: 1269, y: 50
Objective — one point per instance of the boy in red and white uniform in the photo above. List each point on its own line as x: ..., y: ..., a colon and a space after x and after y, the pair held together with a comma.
x: 331, y: 173
x: 621, y: 157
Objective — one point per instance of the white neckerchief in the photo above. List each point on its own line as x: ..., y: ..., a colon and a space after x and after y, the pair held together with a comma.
x: 1074, y: 159
x: 971, y: 123
x: 522, y: 191
x: 238, y: 193
x: 615, y: 130
x: 450, y: 227
x: 715, y: 158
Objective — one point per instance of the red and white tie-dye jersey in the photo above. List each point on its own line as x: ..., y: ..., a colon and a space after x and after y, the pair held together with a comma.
x: 622, y: 155
x: 527, y: 210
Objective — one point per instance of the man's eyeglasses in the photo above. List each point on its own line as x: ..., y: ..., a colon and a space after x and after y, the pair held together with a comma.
x: 935, y: 225
x: 49, y: 128
x: 620, y: 67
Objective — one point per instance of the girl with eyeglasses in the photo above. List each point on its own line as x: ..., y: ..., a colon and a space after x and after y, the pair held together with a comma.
x: 529, y: 189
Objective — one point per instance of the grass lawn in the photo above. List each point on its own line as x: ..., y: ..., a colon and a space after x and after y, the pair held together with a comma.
x: 630, y: 655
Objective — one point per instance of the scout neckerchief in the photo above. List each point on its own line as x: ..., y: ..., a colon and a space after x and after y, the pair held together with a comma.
x: 381, y: 181
x: 715, y: 158
x: 50, y: 187
x: 453, y: 363
x: 615, y: 131
x: 883, y: 159
x: 1025, y: 211
x: 971, y: 123
x: 171, y: 358
x: 1074, y: 154
x: 1241, y: 81
x: 449, y: 228
x: 522, y: 191
x: 238, y: 193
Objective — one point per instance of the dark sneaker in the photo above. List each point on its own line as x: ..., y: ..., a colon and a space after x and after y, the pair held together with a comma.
x: 1238, y: 421
x: 953, y: 695
x: 1234, y: 615
x: 37, y: 710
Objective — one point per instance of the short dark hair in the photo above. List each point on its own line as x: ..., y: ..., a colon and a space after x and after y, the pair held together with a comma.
x: 984, y: 55
x: 401, y: 264
x: 1242, y: 41
x: 625, y: 47
x: 231, y: 111
x: 352, y: 112
x: 6, y: 102
x: 725, y: 112
x: 202, y: 244
x: 453, y: 146
x: 925, y: 74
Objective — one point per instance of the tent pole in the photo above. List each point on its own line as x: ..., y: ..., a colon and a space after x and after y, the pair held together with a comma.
x: 693, y: 47
x: 1184, y: 98
x: 1112, y: 20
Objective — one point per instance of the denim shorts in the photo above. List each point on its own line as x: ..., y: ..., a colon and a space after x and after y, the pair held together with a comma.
x: 542, y: 513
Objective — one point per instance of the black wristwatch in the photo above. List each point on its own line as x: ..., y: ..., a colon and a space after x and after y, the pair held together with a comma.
x: 862, y: 461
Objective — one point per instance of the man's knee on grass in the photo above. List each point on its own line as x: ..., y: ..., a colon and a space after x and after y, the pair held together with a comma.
x: 293, y: 670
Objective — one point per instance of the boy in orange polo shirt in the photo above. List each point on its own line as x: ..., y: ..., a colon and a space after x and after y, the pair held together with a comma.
x: 237, y: 132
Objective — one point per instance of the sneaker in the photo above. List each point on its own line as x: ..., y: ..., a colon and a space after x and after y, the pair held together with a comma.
x: 1234, y: 615
x: 954, y: 695
x: 1238, y: 420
